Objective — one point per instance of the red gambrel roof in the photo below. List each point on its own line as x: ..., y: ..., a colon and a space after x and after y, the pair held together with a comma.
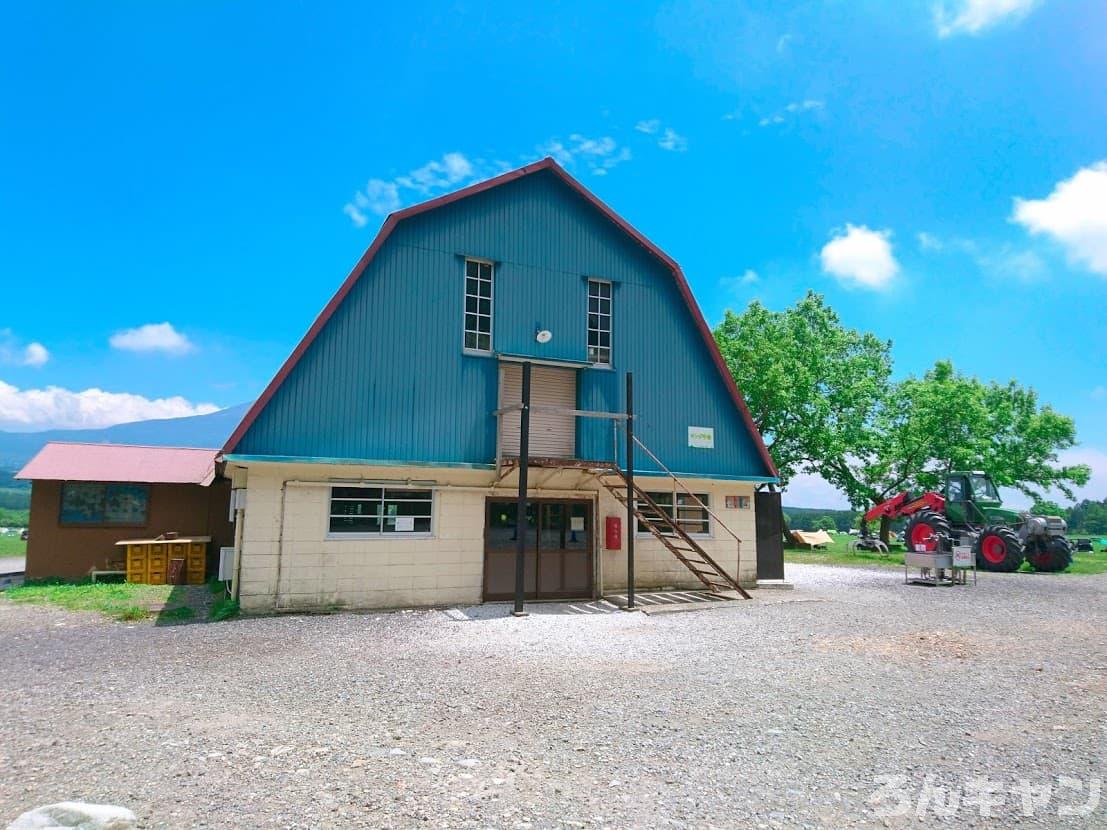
x: 60, y: 461
x: 397, y: 217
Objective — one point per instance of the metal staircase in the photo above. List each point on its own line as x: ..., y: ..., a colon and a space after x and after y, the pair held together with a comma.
x: 669, y: 532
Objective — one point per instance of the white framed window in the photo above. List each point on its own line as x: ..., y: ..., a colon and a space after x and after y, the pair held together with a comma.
x: 683, y: 509
x: 380, y: 511
x: 478, y: 305
x: 599, y: 322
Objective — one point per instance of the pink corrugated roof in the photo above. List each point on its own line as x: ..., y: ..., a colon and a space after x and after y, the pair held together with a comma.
x: 59, y: 461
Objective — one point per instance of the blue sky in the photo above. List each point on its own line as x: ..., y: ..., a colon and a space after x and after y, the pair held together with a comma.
x: 186, y: 184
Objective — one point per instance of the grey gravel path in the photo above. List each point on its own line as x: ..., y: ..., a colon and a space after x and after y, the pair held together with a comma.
x: 781, y: 712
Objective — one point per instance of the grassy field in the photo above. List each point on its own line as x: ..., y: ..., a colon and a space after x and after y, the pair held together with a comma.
x: 12, y: 546
x: 165, y: 604
x: 838, y: 553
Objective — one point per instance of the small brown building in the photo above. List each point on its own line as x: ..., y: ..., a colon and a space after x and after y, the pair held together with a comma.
x: 87, y: 497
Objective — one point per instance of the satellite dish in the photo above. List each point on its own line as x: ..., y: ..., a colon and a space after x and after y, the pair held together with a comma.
x: 544, y: 336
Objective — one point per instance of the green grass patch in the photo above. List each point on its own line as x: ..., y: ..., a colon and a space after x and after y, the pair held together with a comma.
x: 222, y: 609
x: 122, y: 601
x: 11, y: 545
x: 838, y: 553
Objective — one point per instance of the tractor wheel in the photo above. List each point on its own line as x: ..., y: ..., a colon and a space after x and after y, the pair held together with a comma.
x: 1052, y: 554
x: 998, y: 549
x: 926, y: 528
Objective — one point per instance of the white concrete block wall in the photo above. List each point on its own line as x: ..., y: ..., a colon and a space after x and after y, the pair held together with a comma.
x: 315, y: 571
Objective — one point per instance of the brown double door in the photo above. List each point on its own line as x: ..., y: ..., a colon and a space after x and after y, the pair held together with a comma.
x: 558, y: 543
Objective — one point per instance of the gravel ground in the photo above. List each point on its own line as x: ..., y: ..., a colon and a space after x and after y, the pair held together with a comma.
x: 774, y: 713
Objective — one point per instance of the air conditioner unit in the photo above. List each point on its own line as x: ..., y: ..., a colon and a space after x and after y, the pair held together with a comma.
x: 226, y: 564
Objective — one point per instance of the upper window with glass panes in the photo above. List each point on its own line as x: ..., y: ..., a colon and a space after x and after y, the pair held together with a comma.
x: 478, y: 305
x: 599, y: 322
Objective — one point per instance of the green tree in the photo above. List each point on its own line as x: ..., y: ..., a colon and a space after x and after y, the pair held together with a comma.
x: 826, y: 523
x: 1044, y: 507
x: 812, y: 384
x: 821, y: 395
x: 926, y: 427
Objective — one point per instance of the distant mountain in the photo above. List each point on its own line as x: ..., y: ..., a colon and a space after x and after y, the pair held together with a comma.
x: 17, y: 448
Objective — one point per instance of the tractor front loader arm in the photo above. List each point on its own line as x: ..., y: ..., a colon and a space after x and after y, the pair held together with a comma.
x: 903, y: 504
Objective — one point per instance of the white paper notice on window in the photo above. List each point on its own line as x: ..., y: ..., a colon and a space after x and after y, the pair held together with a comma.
x: 576, y: 523
x: 703, y: 437
x: 405, y: 524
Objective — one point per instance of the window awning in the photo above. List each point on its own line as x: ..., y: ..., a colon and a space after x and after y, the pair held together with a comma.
x: 542, y: 361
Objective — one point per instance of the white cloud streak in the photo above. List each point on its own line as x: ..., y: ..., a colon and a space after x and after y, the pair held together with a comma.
x: 1073, y: 215
x: 383, y: 196
x: 672, y: 141
x: 860, y: 257
x: 54, y: 407
x: 597, y: 155
x: 152, y: 337
x: 972, y: 17
x: 791, y: 111
x: 667, y: 138
x: 735, y: 284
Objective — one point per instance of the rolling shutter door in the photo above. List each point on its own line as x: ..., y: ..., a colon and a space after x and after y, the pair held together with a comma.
x: 552, y: 435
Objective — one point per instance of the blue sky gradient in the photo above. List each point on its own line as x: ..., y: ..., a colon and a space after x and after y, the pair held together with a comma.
x: 220, y: 168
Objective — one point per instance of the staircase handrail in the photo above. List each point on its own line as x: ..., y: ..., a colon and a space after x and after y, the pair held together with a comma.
x: 684, y: 487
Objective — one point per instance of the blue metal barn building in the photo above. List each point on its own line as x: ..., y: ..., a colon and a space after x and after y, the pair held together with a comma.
x: 379, y: 467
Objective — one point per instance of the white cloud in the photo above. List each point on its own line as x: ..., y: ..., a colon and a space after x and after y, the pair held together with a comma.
x: 13, y: 352
x: 379, y: 196
x: 1074, y: 215
x: 35, y: 355
x: 1008, y: 262
x: 54, y: 407
x: 860, y: 257
x: 598, y: 155
x: 673, y: 141
x: 437, y: 175
x: 669, y: 139
x: 453, y: 170
x: 791, y: 110
x: 736, y: 284
x: 383, y: 196
x: 974, y: 16
x: 929, y: 242
x: 152, y: 337
x: 356, y: 216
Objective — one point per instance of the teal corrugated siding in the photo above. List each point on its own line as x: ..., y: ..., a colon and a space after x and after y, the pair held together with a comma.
x: 387, y: 379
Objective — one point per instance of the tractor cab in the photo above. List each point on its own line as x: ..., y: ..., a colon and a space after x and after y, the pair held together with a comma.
x: 972, y: 498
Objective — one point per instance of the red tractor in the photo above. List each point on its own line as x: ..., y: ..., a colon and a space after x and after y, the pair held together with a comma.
x: 970, y: 511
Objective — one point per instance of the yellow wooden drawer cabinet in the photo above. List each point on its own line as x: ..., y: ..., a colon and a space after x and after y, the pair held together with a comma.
x: 148, y: 559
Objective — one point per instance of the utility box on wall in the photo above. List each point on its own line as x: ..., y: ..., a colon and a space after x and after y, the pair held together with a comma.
x: 613, y: 533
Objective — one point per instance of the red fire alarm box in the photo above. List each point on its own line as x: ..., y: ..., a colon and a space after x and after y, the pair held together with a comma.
x: 613, y: 532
